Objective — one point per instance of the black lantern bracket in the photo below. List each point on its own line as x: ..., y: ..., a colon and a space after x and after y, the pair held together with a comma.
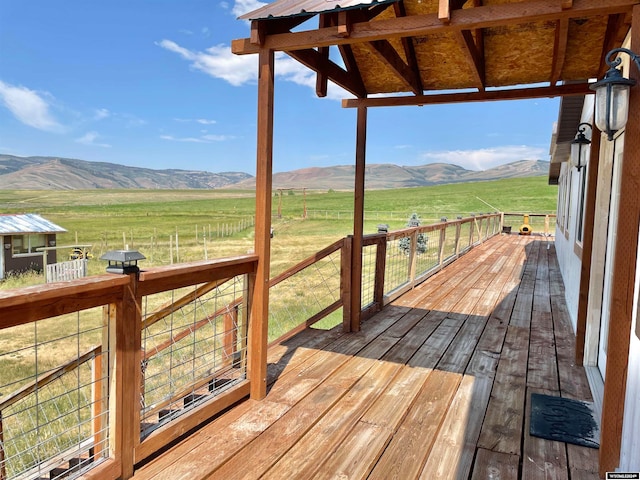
x: 579, y: 147
x: 610, y: 89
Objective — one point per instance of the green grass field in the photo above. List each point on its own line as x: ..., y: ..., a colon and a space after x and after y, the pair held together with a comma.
x: 217, y: 223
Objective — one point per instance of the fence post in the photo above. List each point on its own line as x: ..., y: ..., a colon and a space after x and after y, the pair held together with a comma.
x: 458, y: 229
x: 345, y: 282
x: 381, y: 262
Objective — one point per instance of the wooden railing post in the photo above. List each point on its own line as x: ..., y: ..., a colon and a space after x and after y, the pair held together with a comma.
x: 546, y: 225
x: 443, y: 237
x: 457, y: 244
x: 381, y: 261
x: 345, y: 282
x: 125, y: 379
x: 411, y: 274
x: 471, y: 230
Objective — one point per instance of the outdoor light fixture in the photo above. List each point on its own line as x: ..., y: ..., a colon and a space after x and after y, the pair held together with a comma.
x: 123, y: 261
x: 579, y: 147
x: 612, y: 94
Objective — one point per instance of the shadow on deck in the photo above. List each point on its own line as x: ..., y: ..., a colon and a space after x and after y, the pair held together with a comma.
x: 436, y: 385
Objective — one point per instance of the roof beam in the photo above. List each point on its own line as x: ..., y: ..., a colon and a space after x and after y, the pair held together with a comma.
x: 315, y: 61
x: 486, y: 96
x: 385, y: 52
x: 559, y: 49
x: 420, y: 25
x: 474, y: 56
x: 323, y: 52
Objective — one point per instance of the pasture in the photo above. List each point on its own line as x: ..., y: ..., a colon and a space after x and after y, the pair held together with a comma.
x: 218, y: 223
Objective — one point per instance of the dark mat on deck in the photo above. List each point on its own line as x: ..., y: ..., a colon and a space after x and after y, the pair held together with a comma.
x: 564, y: 420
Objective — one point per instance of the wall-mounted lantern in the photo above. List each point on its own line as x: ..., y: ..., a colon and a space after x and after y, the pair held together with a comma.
x: 123, y: 261
x: 612, y: 94
x: 579, y: 147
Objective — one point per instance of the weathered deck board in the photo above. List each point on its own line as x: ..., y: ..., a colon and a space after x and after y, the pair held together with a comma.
x: 436, y: 385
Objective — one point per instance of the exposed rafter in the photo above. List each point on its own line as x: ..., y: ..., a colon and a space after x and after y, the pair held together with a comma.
x: 474, y: 56
x: 559, y: 49
x: 421, y: 25
x: 315, y: 61
x: 407, y: 45
x: 486, y: 96
x: 388, y: 55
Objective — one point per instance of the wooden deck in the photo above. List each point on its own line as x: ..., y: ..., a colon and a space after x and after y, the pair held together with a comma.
x: 437, y: 385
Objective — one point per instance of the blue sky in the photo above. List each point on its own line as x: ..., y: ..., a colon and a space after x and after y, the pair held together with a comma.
x: 153, y: 83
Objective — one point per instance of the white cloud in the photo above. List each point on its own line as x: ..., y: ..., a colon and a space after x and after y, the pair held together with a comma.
x: 101, y: 113
x: 29, y: 107
x: 238, y: 70
x: 484, y: 158
x: 90, y: 138
x: 201, y: 121
x: 240, y: 7
x: 203, y: 139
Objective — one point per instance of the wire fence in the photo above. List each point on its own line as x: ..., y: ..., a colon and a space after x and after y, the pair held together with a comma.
x: 55, y: 420
x: 194, y: 343
x: 306, y: 293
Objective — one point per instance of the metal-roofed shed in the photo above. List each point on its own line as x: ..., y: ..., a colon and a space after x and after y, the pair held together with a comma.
x: 20, y: 236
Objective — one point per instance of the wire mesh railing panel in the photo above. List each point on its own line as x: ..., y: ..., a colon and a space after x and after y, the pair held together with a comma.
x: 368, y: 274
x: 304, y: 294
x: 427, y: 254
x: 194, y: 352
x: 55, y: 407
x: 397, y: 263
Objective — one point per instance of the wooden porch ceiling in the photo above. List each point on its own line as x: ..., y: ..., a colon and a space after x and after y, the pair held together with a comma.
x: 437, y: 385
x: 483, y: 48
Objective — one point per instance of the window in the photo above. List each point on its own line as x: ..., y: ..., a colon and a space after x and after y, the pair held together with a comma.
x: 27, y: 244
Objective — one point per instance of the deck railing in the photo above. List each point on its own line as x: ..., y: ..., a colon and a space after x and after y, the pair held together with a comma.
x: 115, y: 367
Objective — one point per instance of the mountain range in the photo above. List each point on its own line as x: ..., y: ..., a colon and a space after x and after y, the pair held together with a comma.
x: 55, y: 173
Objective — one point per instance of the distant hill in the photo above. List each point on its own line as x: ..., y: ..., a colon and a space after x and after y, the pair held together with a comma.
x: 380, y: 176
x: 54, y: 173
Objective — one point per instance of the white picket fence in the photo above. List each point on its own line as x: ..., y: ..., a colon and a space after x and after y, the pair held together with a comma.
x: 57, y: 272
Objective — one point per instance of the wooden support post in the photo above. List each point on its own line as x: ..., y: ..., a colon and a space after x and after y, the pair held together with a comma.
x: 259, y: 283
x: 471, y: 230
x: 345, y: 282
x: 624, y: 270
x: 546, y: 224
x: 381, y: 262
x: 501, y: 221
x: 358, y: 220
x: 587, y: 243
